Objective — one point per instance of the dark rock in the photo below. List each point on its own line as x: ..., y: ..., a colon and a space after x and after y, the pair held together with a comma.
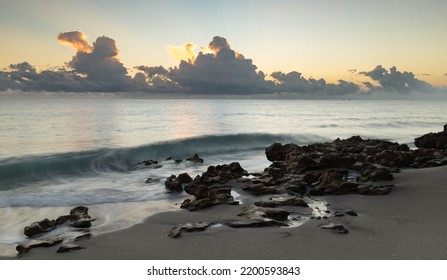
x: 173, y: 184
x: 40, y: 227
x: 150, y: 162
x: 259, y: 213
x: 433, y: 140
x: 189, y: 227
x: 175, y: 231
x: 79, y: 212
x: 335, y: 227
x: 337, y: 160
x: 294, y: 201
x: 195, y: 158
x: 278, y: 152
x: 184, y: 178
x: 178, y: 160
x: 199, y: 226
x: 374, y: 190
x: 351, y: 213
x: 260, y: 189
x: 69, y: 247
x: 381, y: 174
x: 25, y: 247
x: 253, y: 223
x: 82, y: 236
x: 152, y: 180
x: 82, y: 223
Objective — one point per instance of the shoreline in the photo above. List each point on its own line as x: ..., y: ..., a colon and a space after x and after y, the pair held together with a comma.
x: 408, y: 223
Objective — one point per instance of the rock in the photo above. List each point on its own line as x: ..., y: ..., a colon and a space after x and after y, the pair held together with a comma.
x: 374, y: 190
x: 381, y: 174
x: 175, y: 231
x: 40, y: 227
x: 259, y: 213
x: 82, y: 223
x: 278, y: 152
x: 79, y: 212
x: 25, y: 247
x: 189, y: 227
x: 152, y: 180
x: 351, y: 213
x: 69, y: 247
x: 195, y: 158
x: 184, y: 178
x: 335, y: 227
x: 294, y: 201
x: 150, y: 162
x: 338, y: 160
x: 249, y: 223
x: 433, y: 140
x: 173, y: 184
x: 82, y: 236
x: 199, y: 226
x: 260, y: 189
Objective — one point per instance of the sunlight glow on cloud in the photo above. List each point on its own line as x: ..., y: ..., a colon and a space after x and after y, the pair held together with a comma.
x: 185, y: 52
x: 75, y: 39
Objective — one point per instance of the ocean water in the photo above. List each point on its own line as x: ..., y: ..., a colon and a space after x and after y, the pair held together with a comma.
x: 56, y: 154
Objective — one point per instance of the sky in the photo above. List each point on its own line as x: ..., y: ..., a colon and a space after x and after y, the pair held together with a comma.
x: 331, y: 40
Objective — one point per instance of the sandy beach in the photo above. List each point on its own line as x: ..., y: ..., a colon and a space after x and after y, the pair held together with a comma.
x: 408, y: 223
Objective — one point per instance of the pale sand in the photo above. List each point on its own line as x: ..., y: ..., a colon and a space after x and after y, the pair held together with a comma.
x: 409, y: 223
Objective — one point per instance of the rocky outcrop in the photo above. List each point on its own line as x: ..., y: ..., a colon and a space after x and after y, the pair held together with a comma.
x: 78, y: 219
x: 433, y: 140
x: 210, y: 188
x: 195, y: 158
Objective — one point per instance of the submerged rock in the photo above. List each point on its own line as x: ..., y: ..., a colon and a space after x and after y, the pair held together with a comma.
x: 25, y: 247
x: 195, y: 158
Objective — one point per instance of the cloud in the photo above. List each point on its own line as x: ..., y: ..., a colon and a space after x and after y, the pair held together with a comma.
x: 155, y: 79
x: 294, y: 82
x: 76, y: 39
x: 185, y: 52
x: 215, y: 69
x: 102, y: 69
x: 223, y: 71
x: 395, y: 81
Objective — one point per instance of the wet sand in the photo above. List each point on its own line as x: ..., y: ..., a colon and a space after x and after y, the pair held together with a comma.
x: 408, y: 223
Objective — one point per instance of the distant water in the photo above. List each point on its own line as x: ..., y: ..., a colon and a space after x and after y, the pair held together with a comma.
x: 60, y: 153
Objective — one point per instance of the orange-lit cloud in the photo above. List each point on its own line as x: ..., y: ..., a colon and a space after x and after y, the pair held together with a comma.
x: 185, y: 52
x: 75, y: 39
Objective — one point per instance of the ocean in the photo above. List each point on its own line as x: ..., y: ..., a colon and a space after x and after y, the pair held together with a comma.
x: 58, y: 153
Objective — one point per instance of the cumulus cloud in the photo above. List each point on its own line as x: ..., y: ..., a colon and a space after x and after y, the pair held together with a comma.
x: 76, y: 39
x: 103, y: 70
x: 223, y: 71
x: 216, y: 69
x: 296, y: 83
x: 395, y: 81
x: 155, y: 79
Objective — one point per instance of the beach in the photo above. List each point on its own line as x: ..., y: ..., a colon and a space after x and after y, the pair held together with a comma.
x: 373, y: 186
x: 408, y: 223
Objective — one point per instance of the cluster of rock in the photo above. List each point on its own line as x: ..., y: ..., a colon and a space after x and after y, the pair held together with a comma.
x: 78, y: 219
x: 155, y: 164
x: 208, y: 189
x: 350, y: 166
